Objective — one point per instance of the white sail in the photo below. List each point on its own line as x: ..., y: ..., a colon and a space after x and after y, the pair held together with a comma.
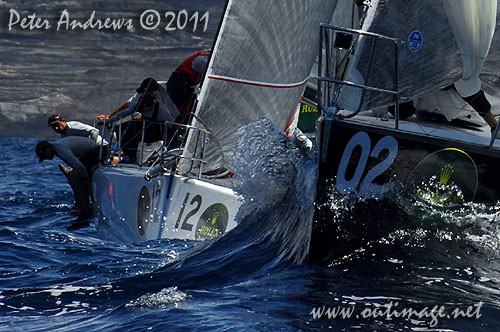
x: 429, y: 57
x: 473, y: 23
x: 262, y: 58
x: 490, y: 75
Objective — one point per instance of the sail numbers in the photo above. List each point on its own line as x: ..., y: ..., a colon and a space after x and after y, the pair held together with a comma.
x: 210, y: 224
x: 195, y: 205
x: 362, y: 140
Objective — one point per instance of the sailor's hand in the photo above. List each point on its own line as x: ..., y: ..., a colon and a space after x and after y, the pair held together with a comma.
x: 102, y: 117
x: 196, y: 89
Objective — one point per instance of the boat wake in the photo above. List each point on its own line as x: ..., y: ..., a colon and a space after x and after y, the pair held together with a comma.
x: 278, y: 179
x: 398, y: 219
x: 274, y: 224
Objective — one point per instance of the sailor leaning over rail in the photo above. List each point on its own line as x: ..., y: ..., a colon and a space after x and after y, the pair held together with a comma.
x: 82, y: 155
x: 150, y: 100
x: 76, y: 128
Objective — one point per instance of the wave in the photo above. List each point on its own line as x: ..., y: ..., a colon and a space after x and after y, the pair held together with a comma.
x: 273, y: 232
x: 351, y: 226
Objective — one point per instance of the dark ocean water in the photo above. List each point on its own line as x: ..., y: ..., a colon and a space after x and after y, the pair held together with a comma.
x: 381, y: 252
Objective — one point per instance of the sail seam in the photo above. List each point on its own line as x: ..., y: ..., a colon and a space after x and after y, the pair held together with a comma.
x: 257, y: 83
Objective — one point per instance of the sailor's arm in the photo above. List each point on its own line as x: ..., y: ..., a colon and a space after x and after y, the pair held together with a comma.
x: 92, y: 132
x: 124, y: 106
x: 121, y: 115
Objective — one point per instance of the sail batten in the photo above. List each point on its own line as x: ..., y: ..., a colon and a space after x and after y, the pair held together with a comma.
x: 257, y: 83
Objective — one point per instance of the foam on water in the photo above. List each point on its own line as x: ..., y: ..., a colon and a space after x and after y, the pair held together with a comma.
x: 405, y: 214
x: 276, y: 177
x: 448, y: 255
x: 165, y: 297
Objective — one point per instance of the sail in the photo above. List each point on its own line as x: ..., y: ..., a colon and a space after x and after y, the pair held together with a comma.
x: 473, y: 24
x: 429, y: 57
x: 261, y: 60
x: 490, y: 75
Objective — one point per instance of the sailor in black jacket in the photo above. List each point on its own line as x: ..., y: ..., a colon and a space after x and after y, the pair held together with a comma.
x: 82, y: 155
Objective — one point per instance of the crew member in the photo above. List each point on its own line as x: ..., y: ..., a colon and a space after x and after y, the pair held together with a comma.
x: 76, y: 128
x: 152, y: 103
x: 183, y: 82
x: 82, y: 155
x: 473, y: 24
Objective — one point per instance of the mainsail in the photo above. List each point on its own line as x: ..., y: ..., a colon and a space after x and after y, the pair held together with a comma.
x: 261, y: 60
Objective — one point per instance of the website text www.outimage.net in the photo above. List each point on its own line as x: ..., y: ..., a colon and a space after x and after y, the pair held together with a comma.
x: 393, y: 310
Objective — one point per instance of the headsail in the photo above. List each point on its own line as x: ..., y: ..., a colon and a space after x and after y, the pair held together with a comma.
x: 262, y: 57
x: 429, y: 58
x: 490, y: 76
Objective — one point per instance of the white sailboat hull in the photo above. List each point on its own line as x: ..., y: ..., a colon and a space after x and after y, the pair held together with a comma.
x: 132, y: 209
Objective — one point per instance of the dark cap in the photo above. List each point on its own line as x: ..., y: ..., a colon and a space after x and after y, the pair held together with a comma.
x: 54, y: 119
x: 41, y: 150
x: 149, y: 84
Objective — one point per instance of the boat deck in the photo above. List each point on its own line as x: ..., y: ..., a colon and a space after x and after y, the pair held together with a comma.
x: 140, y: 171
x: 471, y: 134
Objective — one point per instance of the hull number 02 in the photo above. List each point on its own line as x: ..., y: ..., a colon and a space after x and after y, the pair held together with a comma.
x: 362, y: 140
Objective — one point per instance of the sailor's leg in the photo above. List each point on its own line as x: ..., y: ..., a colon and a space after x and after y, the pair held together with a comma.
x: 66, y: 170
x: 481, y: 105
x: 490, y: 119
x: 91, y: 162
x: 130, y: 140
x: 80, y: 188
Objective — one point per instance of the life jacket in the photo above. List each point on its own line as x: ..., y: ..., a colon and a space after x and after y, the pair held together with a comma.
x: 186, y: 67
x: 180, y: 85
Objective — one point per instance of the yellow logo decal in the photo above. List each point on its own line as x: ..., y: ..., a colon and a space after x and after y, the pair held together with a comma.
x: 215, y: 217
x: 446, y: 173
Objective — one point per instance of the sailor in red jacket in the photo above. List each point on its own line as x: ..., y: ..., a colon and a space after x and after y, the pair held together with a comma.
x: 181, y: 84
